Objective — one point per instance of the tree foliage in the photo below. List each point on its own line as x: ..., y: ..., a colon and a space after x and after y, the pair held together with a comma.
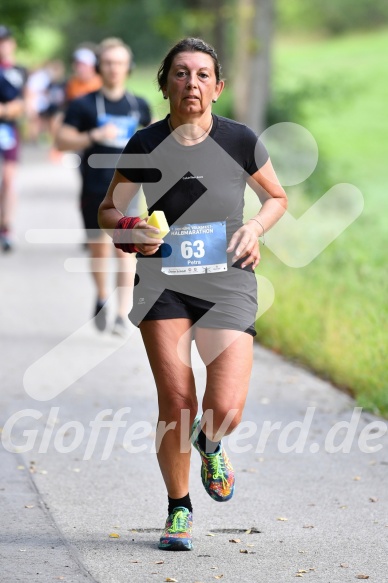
x: 151, y: 26
x: 331, y: 16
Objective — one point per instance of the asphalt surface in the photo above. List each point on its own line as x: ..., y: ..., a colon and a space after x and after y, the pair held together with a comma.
x: 313, y: 513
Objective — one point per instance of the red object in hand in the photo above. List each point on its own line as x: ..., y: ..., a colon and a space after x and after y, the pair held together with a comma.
x: 120, y: 235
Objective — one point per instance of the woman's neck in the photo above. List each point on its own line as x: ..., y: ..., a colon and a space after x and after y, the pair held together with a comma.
x: 202, y: 120
x: 190, y: 130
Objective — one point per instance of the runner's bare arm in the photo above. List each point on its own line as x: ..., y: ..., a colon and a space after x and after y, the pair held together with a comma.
x: 12, y: 109
x: 120, y: 193
x: 271, y: 194
x: 266, y: 185
x: 70, y: 138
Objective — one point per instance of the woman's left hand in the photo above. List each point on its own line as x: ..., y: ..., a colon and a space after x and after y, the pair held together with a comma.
x: 245, y: 245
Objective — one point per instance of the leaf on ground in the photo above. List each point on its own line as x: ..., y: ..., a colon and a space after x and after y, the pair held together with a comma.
x: 357, y: 478
x: 210, y: 534
x: 282, y: 518
x: 373, y: 499
x: 308, y: 526
x: 234, y: 540
x: 344, y: 565
x: 299, y: 575
x: 134, y: 561
x: 302, y: 571
x: 21, y: 468
x: 250, y: 545
x: 114, y: 535
x: 361, y: 576
x: 343, y: 507
x: 171, y: 579
x: 28, y: 506
x: 244, y: 551
x: 218, y: 576
x: 22, y: 550
x: 159, y: 562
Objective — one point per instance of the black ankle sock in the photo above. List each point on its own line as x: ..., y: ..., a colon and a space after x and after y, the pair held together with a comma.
x: 175, y: 502
x: 205, y: 444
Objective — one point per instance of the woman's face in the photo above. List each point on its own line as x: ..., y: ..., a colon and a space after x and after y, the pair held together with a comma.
x: 192, y: 84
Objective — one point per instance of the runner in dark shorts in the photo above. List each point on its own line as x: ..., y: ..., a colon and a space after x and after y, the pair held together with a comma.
x: 11, y: 154
x: 198, y: 283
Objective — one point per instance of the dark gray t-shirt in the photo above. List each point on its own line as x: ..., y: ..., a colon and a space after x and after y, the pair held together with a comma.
x: 202, y: 183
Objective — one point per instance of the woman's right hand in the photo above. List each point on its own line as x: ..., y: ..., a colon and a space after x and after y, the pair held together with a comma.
x: 145, y: 244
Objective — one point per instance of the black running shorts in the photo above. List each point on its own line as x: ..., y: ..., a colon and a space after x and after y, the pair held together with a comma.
x: 214, y: 307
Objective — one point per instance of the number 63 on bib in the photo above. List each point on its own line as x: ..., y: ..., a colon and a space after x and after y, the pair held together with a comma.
x: 194, y: 249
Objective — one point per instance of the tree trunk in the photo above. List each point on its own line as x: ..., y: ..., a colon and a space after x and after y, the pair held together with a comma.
x: 219, y: 32
x: 253, y: 62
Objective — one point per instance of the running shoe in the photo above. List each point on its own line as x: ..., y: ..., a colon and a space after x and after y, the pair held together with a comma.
x: 177, y: 533
x: 216, y: 470
x: 120, y: 328
x: 6, y: 241
x: 100, y: 315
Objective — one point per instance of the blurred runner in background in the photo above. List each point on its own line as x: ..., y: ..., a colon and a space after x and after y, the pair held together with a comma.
x: 12, y: 82
x: 45, y: 101
x: 36, y: 101
x: 85, y: 78
x: 102, y: 122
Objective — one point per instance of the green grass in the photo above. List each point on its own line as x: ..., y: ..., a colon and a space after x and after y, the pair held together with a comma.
x: 332, y: 314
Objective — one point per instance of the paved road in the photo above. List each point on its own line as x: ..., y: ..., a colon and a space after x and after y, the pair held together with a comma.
x: 313, y: 514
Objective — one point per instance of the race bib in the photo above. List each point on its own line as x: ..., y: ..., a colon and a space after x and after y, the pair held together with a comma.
x: 195, y: 248
x: 126, y: 126
x: 7, y: 137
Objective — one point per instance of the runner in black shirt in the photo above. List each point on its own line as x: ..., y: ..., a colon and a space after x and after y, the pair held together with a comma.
x: 101, y: 123
x: 199, y: 283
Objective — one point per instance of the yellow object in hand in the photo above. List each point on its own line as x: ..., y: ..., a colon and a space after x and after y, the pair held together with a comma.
x: 158, y: 220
